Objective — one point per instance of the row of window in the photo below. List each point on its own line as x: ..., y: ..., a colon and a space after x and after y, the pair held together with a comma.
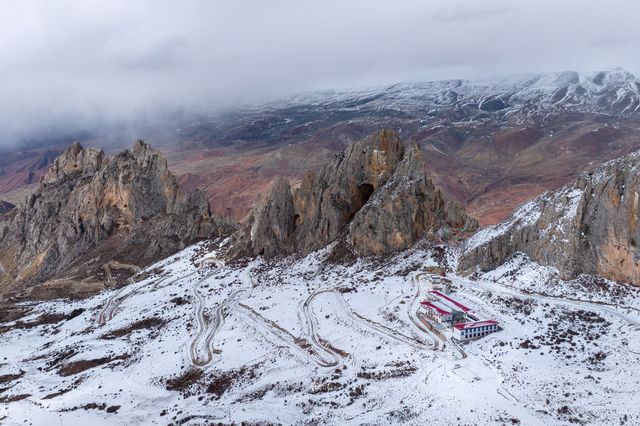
x: 478, y: 331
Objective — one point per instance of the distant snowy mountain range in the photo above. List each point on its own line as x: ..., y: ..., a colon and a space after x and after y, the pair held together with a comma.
x: 616, y: 91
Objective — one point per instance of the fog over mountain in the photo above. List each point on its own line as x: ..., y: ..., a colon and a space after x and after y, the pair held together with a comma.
x: 71, y: 66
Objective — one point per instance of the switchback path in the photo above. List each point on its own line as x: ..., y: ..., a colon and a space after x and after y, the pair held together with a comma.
x: 376, y: 327
x: 311, y: 321
x: 287, y: 340
x: 206, y: 330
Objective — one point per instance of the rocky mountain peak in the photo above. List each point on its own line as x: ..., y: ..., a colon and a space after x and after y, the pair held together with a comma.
x: 75, y: 162
x: 374, y: 192
x: 89, y: 211
x: 139, y: 146
x: 587, y: 227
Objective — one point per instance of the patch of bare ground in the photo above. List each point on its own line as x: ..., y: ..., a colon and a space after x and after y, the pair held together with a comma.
x: 44, y: 319
x: 76, y: 367
x: 9, y: 312
x: 341, y: 254
x: 393, y: 370
x: 179, y: 300
x: 197, y: 382
x: 280, y: 389
x: 152, y: 323
x: 10, y: 377
x: 94, y: 406
x: 184, y: 381
x: 55, y: 394
x: 14, y: 398
x: 206, y: 247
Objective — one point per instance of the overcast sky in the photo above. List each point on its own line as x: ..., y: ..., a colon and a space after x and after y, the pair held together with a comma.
x: 76, y: 63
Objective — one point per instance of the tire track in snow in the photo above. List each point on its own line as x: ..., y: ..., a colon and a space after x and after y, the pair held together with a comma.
x: 374, y: 326
x: 311, y: 321
x: 108, y: 312
x: 206, y: 329
x: 288, y: 340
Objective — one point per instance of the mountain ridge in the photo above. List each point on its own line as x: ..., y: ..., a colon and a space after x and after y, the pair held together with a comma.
x: 90, y: 211
x: 587, y: 227
x: 375, y: 192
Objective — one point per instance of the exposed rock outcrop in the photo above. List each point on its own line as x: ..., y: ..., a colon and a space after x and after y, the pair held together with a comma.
x: 374, y: 192
x: 406, y: 208
x: 589, y: 226
x: 5, y: 206
x: 90, y: 210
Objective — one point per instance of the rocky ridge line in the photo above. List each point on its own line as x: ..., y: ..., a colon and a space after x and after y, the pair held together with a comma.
x: 374, y: 192
x: 89, y: 210
x: 589, y: 226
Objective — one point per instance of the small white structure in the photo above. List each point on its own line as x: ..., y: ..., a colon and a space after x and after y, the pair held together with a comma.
x: 470, y: 330
x: 438, y: 283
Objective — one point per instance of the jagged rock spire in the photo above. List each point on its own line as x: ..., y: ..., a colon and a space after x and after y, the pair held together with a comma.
x: 375, y: 192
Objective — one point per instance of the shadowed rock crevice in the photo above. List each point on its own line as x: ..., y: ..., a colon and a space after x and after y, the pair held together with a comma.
x: 5, y: 206
x: 374, y: 192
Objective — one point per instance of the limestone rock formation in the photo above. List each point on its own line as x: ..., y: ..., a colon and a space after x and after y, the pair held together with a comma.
x: 406, y: 208
x: 270, y: 227
x: 589, y: 226
x: 90, y: 210
x: 374, y: 192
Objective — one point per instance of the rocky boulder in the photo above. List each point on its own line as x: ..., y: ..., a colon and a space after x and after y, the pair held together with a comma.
x: 589, y: 226
x: 374, y: 193
x: 89, y: 210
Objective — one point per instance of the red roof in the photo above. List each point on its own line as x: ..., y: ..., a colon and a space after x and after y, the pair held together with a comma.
x: 432, y: 306
x: 437, y: 293
x: 476, y: 324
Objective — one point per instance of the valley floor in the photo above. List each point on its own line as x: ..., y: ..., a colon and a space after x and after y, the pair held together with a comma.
x: 304, y: 341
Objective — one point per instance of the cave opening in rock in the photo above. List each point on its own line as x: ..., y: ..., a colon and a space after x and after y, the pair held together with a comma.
x: 363, y: 192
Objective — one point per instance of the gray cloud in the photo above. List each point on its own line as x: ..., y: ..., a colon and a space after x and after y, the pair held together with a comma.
x: 79, y: 64
x: 466, y: 11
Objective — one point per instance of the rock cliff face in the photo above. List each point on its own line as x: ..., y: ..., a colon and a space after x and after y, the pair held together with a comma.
x: 89, y: 211
x: 589, y: 226
x: 374, y: 192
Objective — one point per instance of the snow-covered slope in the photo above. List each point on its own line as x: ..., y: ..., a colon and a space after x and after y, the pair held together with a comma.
x: 300, y: 341
x: 614, y: 91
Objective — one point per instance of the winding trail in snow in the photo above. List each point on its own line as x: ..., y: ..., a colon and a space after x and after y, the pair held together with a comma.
x: 288, y: 340
x: 206, y: 329
x: 374, y: 326
x: 209, y: 330
x: 109, y: 309
x: 312, y: 327
x: 107, y: 313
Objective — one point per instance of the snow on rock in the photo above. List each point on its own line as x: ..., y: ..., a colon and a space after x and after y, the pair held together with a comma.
x: 309, y: 341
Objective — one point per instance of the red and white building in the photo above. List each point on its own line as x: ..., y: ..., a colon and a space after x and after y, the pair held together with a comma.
x: 465, y: 322
x: 470, y: 330
x: 436, y: 311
